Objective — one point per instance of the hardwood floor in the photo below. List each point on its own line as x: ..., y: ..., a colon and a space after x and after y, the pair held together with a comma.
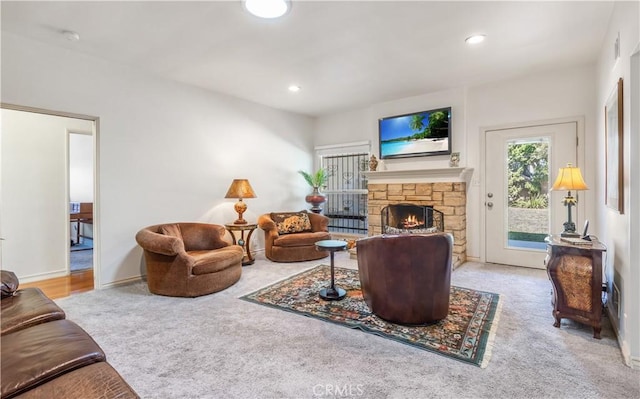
x: 60, y: 287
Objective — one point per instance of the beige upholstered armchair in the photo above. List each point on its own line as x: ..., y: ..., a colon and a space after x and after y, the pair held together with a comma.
x: 189, y: 259
x: 291, y: 236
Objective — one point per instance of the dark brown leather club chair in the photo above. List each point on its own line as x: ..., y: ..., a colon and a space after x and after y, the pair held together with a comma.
x: 189, y: 259
x: 406, y: 278
x: 291, y: 236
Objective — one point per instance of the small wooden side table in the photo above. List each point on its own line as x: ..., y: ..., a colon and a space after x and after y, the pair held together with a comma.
x: 244, y: 243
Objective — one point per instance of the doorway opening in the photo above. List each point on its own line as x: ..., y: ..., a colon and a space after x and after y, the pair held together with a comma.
x: 519, y: 210
x: 38, y: 227
x: 80, y: 201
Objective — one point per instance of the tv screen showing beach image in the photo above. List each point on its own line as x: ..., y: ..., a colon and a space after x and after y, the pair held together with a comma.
x: 417, y: 134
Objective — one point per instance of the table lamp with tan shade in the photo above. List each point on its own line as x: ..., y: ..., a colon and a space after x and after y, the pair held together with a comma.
x: 569, y: 178
x: 240, y: 188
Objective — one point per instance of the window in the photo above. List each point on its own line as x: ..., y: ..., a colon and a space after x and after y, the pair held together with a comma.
x: 346, y: 189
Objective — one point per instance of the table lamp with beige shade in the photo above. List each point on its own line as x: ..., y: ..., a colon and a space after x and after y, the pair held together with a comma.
x: 569, y: 178
x: 240, y: 188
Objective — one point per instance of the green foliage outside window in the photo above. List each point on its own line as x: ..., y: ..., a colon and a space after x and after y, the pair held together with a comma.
x: 528, y: 175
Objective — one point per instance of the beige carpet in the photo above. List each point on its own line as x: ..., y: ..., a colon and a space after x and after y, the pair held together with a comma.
x: 220, y: 346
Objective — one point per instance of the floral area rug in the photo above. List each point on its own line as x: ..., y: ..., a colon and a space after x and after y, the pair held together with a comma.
x: 466, y: 334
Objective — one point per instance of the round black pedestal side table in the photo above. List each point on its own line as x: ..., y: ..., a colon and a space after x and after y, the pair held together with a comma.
x: 332, y: 293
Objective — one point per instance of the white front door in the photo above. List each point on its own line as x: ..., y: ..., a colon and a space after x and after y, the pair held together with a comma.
x: 519, y: 209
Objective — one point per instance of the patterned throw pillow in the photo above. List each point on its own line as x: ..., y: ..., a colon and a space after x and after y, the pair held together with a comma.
x: 291, y: 222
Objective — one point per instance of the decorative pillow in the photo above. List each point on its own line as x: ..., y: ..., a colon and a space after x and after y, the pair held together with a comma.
x: 9, y: 283
x: 291, y: 222
x: 394, y: 230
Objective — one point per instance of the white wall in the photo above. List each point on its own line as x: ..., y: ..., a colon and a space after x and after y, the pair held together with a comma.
x: 553, y: 95
x: 34, y: 213
x: 362, y: 124
x: 167, y: 152
x: 616, y: 228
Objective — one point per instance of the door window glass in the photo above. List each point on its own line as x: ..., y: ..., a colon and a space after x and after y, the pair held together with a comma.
x: 528, y: 193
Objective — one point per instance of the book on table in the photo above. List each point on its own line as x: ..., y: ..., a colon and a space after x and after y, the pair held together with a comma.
x: 575, y: 240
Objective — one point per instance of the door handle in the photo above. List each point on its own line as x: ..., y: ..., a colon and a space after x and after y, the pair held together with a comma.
x: 490, y: 195
x: 490, y: 204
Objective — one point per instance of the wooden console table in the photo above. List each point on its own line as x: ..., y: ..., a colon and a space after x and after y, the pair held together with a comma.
x: 575, y: 272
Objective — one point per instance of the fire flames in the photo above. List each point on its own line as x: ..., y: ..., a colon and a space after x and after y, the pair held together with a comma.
x: 412, y: 222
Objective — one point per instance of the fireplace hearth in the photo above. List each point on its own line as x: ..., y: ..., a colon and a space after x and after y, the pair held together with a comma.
x: 400, y: 218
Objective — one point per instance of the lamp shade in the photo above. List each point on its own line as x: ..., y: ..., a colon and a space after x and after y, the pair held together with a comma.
x: 240, y: 188
x: 569, y: 178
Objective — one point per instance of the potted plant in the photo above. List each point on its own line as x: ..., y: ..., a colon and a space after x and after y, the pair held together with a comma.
x: 315, y: 180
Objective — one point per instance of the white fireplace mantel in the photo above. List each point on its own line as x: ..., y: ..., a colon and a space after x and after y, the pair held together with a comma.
x: 440, y: 175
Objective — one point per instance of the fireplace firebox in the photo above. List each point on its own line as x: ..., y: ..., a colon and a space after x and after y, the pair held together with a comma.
x: 405, y: 218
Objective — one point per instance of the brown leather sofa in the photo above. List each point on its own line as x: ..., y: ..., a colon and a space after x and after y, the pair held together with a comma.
x: 44, y: 355
x: 189, y: 259
x: 291, y: 236
x: 406, y: 279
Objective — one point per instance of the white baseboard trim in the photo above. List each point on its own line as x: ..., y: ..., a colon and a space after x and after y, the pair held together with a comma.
x: 43, y: 276
x: 631, y: 361
x: 635, y: 363
x: 120, y: 283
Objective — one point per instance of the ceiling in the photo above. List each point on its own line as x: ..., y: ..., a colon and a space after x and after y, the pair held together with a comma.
x: 344, y: 55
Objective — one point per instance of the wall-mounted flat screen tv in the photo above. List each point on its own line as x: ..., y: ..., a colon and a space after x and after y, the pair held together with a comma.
x: 416, y: 135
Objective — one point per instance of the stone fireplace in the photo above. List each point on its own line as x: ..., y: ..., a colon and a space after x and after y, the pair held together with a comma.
x: 445, y: 190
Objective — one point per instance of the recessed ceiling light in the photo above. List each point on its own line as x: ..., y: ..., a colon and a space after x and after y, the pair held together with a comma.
x: 267, y: 8
x: 294, y: 88
x: 475, y: 39
x: 71, y: 35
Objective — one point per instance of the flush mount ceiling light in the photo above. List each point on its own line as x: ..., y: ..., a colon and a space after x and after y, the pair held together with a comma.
x: 294, y: 88
x: 71, y: 35
x: 267, y: 8
x: 475, y: 39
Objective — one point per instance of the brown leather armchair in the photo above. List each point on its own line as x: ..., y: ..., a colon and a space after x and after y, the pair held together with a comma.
x: 406, y: 279
x: 189, y: 259
x: 287, y: 241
